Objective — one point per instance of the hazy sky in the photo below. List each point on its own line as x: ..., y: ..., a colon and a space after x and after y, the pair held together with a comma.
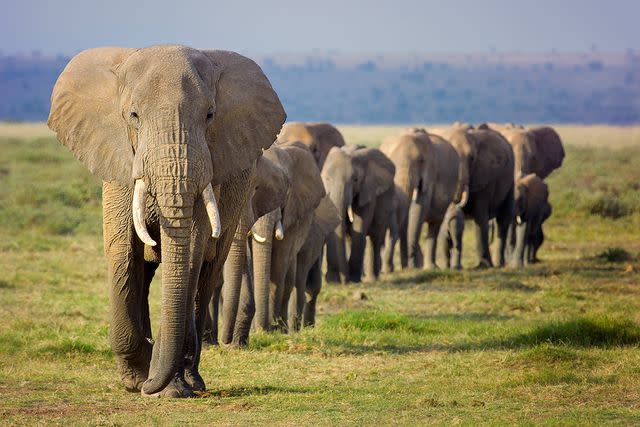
x: 376, y: 26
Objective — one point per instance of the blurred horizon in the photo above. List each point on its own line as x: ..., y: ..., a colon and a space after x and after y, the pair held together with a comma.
x: 406, y: 61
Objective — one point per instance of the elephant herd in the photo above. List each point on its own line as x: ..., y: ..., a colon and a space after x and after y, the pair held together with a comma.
x: 183, y: 140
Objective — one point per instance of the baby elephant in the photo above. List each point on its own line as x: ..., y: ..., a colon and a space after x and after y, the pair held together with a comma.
x: 532, y: 209
x: 450, y: 237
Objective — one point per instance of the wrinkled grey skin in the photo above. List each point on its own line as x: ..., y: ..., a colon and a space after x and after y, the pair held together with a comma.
x: 237, y: 298
x: 176, y: 119
x: 274, y: 260
x: 426, y: 180
x: 361, y: 179
x: 486, y: 170
x: 450, y: 237
x: 318, y: 137
x: 537, y: 237
x: 532, y: 208
x: 302, y: 305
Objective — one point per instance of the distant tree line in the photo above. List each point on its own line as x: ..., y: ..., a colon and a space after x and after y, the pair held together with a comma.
x: 430, y: 92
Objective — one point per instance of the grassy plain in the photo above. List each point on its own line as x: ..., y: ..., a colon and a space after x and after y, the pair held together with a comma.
x: 555, y: 343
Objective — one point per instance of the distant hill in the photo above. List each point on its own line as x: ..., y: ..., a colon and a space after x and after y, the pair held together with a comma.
x: 409, y: 88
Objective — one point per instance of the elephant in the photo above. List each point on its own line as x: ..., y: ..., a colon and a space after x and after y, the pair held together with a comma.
x: 536, y: 150
x: 302, y: 305
x: 450, y: 237
x: 319, y: 137
x: 538, y: 236
x: 359, y: 182
x: 426, y: 179
x: 531, y: 208
x: 174, y: 134
x: 485, y: 185
x: 275, y: 261
x: 238, y: 306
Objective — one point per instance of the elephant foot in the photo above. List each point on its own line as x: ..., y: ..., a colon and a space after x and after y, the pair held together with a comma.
x: 177, y: 388
x: 456, y: 267
x: 134, y: 371
x: 194, y: 380
x: 483, y: 264
x: 430, y: 266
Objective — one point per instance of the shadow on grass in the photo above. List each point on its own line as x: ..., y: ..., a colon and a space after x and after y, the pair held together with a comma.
x: 256, y: 391
x: 363, y: 332
x: 6, y: 285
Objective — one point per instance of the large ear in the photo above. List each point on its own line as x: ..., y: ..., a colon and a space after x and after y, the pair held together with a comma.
x: 86, y: 117
x: 549, y: 150
x: 272, y: 182
x: 326, y: 216
x: 248, y: 113
x: 378, y: 176
x: 307, y: 188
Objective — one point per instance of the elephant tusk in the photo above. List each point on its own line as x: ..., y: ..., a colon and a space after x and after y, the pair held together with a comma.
x: 518, y: 219
x: 463, y: 199
x: 350, y: 213
x: 279, y: 230
x: 211, y: 206
x: 414, y: 197
x: 258, y: 238
x: 139, y: 194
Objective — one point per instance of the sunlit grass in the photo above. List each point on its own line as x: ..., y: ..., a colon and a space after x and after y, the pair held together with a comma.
x: 553, y: 343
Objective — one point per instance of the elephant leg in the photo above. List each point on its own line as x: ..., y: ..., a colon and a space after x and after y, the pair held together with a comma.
x: 482, y: 240
x: 210, y: 336
x: 313, y: 287
x: 369, y: 274
x: 432, y: 241
x: 414, y: 230
x: 521, y: 232
x: 361, y: 222
x: 503, y: 224
x: 288, y: 293
x: 456, y: 241
x: 404, y: 260
x: 297, y: 298
x: 247, y: 308
x: 445, y: 246
x: 389, y: 249
x: 279, y: 271
x: 129, y: 333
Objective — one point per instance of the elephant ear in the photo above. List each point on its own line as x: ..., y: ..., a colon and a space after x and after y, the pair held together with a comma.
x: 326, y: 216
x: 549, y: 150
x: 307, y: 188
x: 248, y: 113
x: 86, y: 114
x: 378, y: 176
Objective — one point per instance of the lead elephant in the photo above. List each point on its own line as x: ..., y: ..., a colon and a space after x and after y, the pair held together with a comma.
x: 426, y: 179
x: 486, y: 182
x: 275, y: 261
x: 359, y: 182
x: 319, y: 137
x: 174, y: 133
x: 532, y: 209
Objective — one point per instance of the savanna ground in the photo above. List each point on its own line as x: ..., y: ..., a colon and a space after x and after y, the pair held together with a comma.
x: 554, y: 343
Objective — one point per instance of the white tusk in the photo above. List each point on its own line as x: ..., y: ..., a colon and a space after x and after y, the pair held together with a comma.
x: 463, y: 199
x: 518, y: 220
x: 414, y: 197
x: 350, y: 213
x: 211, y: 206
x: 139, y: 193
x: 279, y: 230
x: 258, y: 238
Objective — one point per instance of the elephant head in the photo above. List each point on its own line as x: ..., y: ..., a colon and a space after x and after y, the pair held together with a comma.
x: 353, y: 176
x: 536, y: 150
x: 304, y: 193
x: 169, y: 122
x: 465, y: 145
x: 319, y: 137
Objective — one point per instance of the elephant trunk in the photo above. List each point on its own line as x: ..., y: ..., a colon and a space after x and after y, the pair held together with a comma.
x: 462, y: 190
x: 177, y: 260
x: 178, y: 173
x: 338, y: 269
x: 263, y: 231
x: 233, y: 270
x: 414, y: 228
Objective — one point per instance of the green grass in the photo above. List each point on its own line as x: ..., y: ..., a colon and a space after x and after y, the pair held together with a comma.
x: 555, y: 343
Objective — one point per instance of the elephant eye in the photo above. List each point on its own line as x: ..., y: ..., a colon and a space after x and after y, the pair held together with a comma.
x: 210, y: 115
x: 134, y: 115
